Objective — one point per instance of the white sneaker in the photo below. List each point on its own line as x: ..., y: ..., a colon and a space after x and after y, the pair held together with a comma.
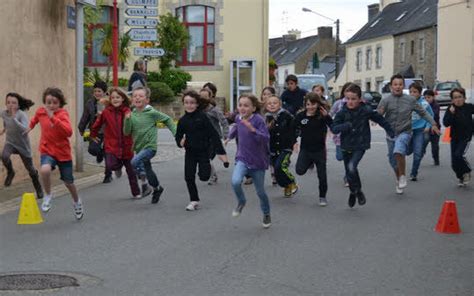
x: 460, y: 182
x: 192, y: 206
x: 466, y: 178
x: 398, y: 190
x: 47, y: 203
x: 402, y: 182
x: 78, y: 210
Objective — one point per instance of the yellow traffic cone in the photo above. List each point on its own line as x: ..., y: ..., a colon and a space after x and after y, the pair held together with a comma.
x: 29, y: 211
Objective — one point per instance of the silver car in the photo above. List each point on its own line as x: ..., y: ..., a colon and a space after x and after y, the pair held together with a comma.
x: 442, y: 90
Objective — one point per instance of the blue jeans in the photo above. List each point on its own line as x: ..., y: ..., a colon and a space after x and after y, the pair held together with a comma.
x: 399, y: 145
x: 351, y: 161
x: 65, y: 167
x: 141, y: 162
x: 418, y: 141
x: 258, y: 177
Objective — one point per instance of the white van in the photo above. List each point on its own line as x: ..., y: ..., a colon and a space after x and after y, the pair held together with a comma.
x: 385, y: 86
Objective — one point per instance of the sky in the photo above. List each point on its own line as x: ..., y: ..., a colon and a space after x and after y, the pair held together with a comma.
x: 287, y: 14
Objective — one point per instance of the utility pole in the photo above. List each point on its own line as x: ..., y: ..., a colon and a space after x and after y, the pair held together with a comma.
x: 79, y: 81
x: 115, y: 46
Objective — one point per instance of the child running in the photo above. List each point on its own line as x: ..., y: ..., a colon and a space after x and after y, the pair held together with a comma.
x: 117, y: 146
x: 434, y: 138
x: 353, y: 124
x: 218, y: 121
x: 252, y: 156
x: 196, y: 133
x: 282, y: 140
x: 311, y: 126
x: 142, y: 125
x: 54, y: 146
x: 459, y: 118
x: 15, y: 123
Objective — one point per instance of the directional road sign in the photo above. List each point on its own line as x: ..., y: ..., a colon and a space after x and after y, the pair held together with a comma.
x: 88, y: 2
x: 143, y: 34
x: 141, y: 12
x: 141, y: 22
x: 151, y: 52
x: 151, y: 3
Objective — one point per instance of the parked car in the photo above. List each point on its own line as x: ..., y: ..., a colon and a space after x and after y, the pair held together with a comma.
x: 442, y: 90
x: 385, y: 87
x: 372, y: 98
x: 307, y: 81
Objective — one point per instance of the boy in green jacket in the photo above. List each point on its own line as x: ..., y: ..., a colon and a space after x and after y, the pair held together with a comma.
x: 142, y: 125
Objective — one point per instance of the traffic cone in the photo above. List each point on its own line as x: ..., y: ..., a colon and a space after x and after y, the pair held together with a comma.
x: 448, y: 219
x: 29, y: 211
x: 447, y: 135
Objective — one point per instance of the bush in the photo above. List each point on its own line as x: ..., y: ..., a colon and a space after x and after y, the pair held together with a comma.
x: 123, y: 82
x: 175, y: 78
x: 160, y: 93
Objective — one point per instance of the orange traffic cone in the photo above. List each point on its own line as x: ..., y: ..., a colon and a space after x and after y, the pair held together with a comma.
x: 448, y: 219
x: 447, y: 135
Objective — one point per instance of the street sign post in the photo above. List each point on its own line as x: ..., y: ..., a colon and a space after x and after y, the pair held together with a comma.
x: 141, y: 22
x: 141, y: 12
x: 149, y: 3
x: 150, y: 52
x: 143, y: 34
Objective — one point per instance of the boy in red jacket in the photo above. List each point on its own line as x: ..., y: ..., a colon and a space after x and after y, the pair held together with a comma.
x: 118, y: 147
x: 54, y: 146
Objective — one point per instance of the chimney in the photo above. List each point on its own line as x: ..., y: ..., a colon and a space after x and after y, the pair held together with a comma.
x: 373, y: 10
x: 296, y: 34
x: 325, y: 32
x: 385, y: 3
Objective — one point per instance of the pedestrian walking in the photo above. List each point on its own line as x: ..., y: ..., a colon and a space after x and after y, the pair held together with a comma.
x: 54, y: 147
x: 311, y: 126
x: 293, y: 96
x: 117, y: 146
x: 397, y: 109
x: 252, y: 157
x: 138, y: 77
x: 458, y: 117
x: 280, y: 124
x: 195, y: 133
x: 142, y: 123
x: 15, y: 123
x: 434, y: 138
x: 353, y: 124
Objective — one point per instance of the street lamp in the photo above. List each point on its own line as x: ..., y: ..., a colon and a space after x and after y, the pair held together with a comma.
x: 337, y: 39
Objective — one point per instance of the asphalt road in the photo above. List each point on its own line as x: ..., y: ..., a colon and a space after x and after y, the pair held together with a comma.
x: 387, y: 247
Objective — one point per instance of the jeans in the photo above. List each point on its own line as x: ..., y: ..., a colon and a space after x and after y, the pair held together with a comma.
x: 418, y: 142
x: 339, y: 156
x: 305, y: 159
x: 434, y: 140
x: 193, y: 160
x: 281, y: 164
x: 65, y: 167
x: 459, y: 162
x: 399, y: 145
x: 141, y: 162
x: 114, y: 163
x: 258, y: 177
x: 351, y: 161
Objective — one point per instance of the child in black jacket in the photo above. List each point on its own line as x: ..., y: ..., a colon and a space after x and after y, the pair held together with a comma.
x: 282, y: 139
x: 311, y: 125
x: 459, y: 118
x: 194, y: 133
x: 353, y: 124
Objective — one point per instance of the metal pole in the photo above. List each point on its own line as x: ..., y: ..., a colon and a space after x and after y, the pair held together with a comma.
x: 337, y: 51
x: 79, y: 81
x: 115, y: 46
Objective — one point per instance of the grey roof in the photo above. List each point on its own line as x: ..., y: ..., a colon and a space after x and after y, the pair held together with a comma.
x: 288, y: 53
x: 417, y: 15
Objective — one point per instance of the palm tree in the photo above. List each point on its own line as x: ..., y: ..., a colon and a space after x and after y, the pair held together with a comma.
x: 124, y: 50
x: 106, y: 48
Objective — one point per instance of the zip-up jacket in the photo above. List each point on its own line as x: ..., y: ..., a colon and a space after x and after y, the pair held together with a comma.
x: 89, y: 115
x: 293, y: 100
x: 312, y: 130
x: 282, y: 131
x: 416, y: 121
x: 461, y: 122
x: 218, y: 120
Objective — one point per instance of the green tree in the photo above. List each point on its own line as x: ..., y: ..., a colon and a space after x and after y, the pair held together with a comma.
x: 173, y: 37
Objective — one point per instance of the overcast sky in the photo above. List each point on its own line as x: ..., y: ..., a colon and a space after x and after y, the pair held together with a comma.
x: 288, y: 14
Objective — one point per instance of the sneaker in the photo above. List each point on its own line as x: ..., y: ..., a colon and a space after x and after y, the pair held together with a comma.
x: 248, y: 181
x: 78, y: 210
x: 274, y: 180
x: 118, y: 173
x: 402, y: 182
x: 466, y: 178
x: 155, y: 198
x: 267, y: 221
x: 238, y: 210
x: 413, y: 178
x: 398, y: 190
x: 137, y: 197
x: 346, y: 183
x: 436, y: 162
x: 99, y: 158
x: 361, y: 198
x: 47, y: 203
x: 9, y: 178
x: 212, y: 180
x: 352, y: 200
x: 107, y: 179
x: 323, y: 202
x: 39, y: 195
x: 287, y: 191
x: 294, y: 188
x: 192, y: 206
x: 146, y: 190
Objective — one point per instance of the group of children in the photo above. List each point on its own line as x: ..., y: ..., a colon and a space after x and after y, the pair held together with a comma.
x: 124, y: 133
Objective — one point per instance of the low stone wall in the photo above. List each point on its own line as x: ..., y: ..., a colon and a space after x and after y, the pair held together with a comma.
x: 176, y: 109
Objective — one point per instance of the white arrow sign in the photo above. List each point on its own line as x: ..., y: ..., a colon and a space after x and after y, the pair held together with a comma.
x: 141, y: 22
x: 143, y: 34
x: 151, y: 3
x: 151, y: 52
x: 141, y: 12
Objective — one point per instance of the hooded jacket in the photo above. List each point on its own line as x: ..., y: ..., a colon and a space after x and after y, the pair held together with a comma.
x: 461, y: 122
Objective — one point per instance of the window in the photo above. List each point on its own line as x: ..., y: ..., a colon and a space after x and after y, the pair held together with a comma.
x: 421, y: 51
x: 378, y: 57
x: 367, y: 85
x: 402, y: 52
x: 95, y: 35
x: 199, y: 20
x: 412, y: 50
x: 368, y: 58
x: 359, y: 60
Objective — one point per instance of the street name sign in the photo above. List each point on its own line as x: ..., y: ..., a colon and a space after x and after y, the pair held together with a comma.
x: 141, y: 12
x: 151, y: 3
x: 151, y: 52
x: 143, y: 34
x: 141, y: 22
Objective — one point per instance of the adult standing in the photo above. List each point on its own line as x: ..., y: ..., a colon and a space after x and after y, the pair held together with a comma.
x: 293, y: 96
x: 138, y: 77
